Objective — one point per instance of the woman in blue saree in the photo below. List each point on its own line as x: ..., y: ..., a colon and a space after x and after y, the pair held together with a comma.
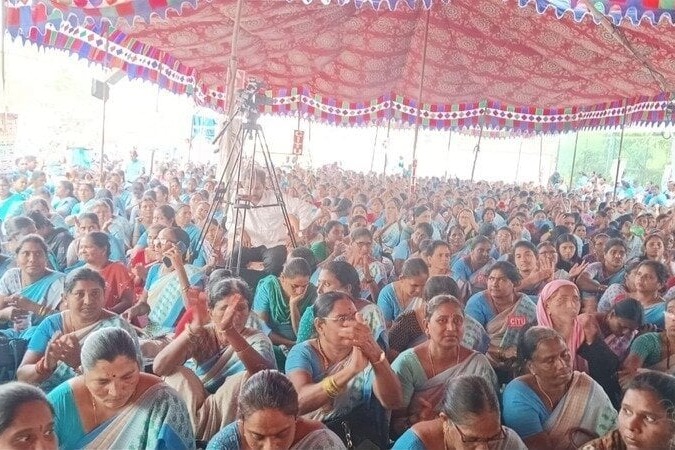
x: 208, y: 363
x: 343, y: 377
x: 31, y: 287
x: 184, y: 220
x: 390, y: 234
x: 470, y: 272
x: 11, y: 203
x: 53, y: 351
x: 341, y: 276
x: 597, y: 277
x: 114, y: 405
x: 166, y: 285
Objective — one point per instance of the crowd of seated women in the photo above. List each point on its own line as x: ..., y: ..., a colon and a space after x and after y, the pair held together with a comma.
x: 461, y: 316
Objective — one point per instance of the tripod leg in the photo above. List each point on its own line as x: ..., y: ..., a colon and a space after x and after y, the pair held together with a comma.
x: 218, y: 198
x: 275, y: 184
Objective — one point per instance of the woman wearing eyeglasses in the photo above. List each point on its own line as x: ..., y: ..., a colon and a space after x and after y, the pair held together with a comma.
x: 372, y: 273
x: 425, y: 369
x: 341, y: 276
x: 646, y: 417
x: 337, y: 374
x: 553, y: 407
x: 468, y: 419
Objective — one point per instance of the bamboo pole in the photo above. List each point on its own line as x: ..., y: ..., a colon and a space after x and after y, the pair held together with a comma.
x: 419, y: 102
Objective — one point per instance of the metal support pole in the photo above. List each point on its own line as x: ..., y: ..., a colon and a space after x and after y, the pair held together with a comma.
x: 386, y: 150
x: 574, y: 160
x: 106, y: 92
x: 541, y: 154
x: 372, y: 158
x: 476, y: 149
x: 520, y: 152
x: 618, y: 159
x: 449, y: 142
x: 419, y: 102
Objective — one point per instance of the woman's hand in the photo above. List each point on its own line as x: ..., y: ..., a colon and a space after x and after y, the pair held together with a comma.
x: 577, y: 270
x: 52, y: 352
x: 590, y: 326
x: 357, y: 362
x: 106, y: 226
x: 13, y: 314
x: 296, y: 299
x: 68, y: 349
x: 7, y: 301
x: 339, y: 249
x: 200, y: 311
x: 140, y: 271
x: 227, y: 322
x: 546, y: 269
x: 359, y: 335
x: 174, y: 255
x: 139, y: 309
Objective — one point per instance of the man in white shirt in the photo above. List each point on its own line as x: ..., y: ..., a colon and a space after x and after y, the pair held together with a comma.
x: 265, y: 236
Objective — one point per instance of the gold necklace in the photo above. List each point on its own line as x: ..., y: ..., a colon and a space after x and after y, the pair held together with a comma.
x: 431, y: 360
x: 326, y: 361
x: 93, y: 404
x: 536, y: 380
x: 445, y: 434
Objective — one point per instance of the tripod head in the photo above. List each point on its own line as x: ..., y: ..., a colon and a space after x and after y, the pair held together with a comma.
x: 250, y: 99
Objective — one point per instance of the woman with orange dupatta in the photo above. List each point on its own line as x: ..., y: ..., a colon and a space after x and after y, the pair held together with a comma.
x: 119, y: 287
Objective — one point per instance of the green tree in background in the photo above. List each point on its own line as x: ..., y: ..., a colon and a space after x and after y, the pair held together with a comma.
x: 645, y: 155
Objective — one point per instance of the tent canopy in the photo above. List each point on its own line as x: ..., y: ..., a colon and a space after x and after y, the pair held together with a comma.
x: 487, y: 63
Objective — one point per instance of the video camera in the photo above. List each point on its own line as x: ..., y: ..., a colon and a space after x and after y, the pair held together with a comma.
x: 251, y: 98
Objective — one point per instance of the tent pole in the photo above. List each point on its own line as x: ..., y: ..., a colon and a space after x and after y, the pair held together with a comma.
x: 449, y: 142
x: 372, y: 158
x: 386, y: 149
x: 419, y: 102
x: 192, y: 136
x: 233, y: 59
x: 541, y: 153
x: 106, y: 92
x: 557, y: 153
x: 476, y: 149
x: 520, y: 152
x: 574, y: 160
x: 3, y: 79
x: 618, y: 159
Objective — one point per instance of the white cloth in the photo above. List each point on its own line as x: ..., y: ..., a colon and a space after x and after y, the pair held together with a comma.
x: 266, y: 226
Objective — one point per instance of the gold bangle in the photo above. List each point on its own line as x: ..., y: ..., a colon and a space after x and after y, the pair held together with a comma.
x: 330, y: 387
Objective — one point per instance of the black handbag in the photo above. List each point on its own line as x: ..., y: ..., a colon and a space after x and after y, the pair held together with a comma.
x: 11, y: 355
x: 361, y: 429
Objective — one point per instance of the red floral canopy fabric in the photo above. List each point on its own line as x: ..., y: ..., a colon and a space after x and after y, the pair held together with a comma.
x: 488, y: 62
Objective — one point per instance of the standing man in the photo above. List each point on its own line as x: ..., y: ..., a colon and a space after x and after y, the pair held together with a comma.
x: 135, y: 167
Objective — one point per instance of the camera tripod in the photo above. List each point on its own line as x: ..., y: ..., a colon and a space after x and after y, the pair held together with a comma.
x: 230, y: 195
